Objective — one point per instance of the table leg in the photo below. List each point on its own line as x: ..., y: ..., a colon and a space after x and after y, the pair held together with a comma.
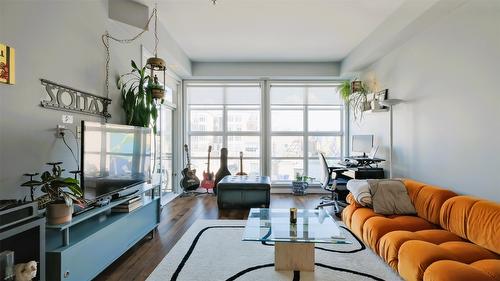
x: 293, y: 256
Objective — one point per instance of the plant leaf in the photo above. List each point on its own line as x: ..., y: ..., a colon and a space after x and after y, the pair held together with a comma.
x: 134, y: 65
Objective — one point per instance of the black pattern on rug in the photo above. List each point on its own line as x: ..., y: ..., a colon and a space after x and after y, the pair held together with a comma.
x: 296, y: 274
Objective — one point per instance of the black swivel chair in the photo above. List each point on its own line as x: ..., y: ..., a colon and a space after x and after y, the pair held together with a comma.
x: 331, y: 180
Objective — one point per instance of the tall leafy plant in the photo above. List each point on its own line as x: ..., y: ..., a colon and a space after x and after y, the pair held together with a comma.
x: 137, y: 98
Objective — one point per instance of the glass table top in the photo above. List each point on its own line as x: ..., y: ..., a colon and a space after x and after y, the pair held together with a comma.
x: 273, y: 225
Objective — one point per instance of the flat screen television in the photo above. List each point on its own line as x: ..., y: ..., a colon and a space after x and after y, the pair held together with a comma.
x: 113, y: 158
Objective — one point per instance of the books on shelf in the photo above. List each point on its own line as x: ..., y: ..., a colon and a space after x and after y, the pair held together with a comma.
x: 128, y: 206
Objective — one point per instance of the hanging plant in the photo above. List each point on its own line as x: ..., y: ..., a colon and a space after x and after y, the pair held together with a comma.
x: 137, y: 98
x: 354, y: 95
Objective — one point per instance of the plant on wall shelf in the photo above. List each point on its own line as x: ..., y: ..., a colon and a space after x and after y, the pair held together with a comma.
x: 357, y: 99
x: 137, y: 97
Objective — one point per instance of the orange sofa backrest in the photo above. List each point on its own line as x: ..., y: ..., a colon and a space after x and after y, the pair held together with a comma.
x: 473, y: 219
x: 427, y: 199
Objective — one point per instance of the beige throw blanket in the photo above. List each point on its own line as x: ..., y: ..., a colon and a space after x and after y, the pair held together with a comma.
x: 389, y: 197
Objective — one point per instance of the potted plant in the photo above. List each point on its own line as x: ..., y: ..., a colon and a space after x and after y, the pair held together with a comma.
x: 138, y: 101
x: 300, y: 184
x: 157, y: 89
x: 61, y: 193
x: 354, y: 95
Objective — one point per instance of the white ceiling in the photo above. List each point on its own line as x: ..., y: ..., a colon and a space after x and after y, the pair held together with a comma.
x: 272, y: 30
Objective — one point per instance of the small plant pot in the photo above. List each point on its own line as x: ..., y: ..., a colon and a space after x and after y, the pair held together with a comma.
x: 158, y: 93
x: 59, y: 213
x: 375, y: 104
x: 299, y: 187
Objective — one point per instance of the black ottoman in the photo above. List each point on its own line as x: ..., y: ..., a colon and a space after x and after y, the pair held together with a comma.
x: 244, y: 192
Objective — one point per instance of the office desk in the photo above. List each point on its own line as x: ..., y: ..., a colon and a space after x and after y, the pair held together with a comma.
x: 364, y: 173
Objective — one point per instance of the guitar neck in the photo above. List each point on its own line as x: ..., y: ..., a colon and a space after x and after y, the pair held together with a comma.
x: 188, y: 158
x: 241, y: 163
x: 208, y: 164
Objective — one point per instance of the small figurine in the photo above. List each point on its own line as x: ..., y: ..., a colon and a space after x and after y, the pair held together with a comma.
x: 26, y: 271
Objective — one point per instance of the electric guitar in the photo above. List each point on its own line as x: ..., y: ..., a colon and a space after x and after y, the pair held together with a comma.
x: 223, y: 170
x: 241, y: 173
x: 208, y: 177
x: 189, y: 179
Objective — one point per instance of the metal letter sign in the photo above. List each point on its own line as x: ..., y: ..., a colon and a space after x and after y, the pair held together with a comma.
x: 69, y: 99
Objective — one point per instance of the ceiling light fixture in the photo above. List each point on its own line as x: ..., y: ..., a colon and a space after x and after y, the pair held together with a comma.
x: 214, y: 2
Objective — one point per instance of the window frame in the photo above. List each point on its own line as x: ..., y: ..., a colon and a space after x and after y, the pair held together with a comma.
x: 224, y: 133
x: 305, y: 134
x: 265, y: 131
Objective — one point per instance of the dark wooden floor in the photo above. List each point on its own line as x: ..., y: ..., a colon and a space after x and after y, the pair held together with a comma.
x: 177, y: 217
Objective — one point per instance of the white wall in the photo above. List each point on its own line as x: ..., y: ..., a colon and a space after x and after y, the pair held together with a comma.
x: 59, y: 41
x: 448, y: 131
x: 297, y: 70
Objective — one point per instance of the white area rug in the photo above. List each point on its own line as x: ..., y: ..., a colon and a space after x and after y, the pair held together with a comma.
x: 213, y: 250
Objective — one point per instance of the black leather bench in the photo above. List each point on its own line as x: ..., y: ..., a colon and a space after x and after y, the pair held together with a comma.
x: 244, y: 192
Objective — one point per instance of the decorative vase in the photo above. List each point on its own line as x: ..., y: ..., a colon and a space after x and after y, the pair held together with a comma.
x: 158, y: 93
x: 59, y: 213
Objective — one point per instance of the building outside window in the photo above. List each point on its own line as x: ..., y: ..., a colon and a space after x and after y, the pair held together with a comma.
x: 300, y: 119
x: 225, y: 115
x: 304, y: 119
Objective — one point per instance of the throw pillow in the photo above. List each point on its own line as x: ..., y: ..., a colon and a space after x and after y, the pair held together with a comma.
x: 360, y: 190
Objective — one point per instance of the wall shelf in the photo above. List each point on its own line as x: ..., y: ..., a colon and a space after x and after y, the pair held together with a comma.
x: 376, y: 110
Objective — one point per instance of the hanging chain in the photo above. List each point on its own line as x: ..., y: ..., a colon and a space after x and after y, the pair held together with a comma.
x: 156, y: 31
x: 106, y: 36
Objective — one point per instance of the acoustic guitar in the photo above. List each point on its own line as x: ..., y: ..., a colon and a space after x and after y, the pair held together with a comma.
x: 208, y: 177
x: 189, y: 181
x: 241, y: 173
x: 223, y: 170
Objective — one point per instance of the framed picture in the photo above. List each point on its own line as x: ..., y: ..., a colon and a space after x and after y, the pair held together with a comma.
x: 7, y: 64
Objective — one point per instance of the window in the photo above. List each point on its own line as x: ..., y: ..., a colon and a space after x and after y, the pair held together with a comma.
x: 225, y: 115
x: 304, y: 119
x: 301, y: 119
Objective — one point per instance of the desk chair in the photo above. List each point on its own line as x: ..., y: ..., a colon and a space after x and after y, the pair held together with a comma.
x: 331, y: 179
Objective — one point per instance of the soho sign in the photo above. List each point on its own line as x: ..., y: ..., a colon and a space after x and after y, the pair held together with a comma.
x: 69, y: 99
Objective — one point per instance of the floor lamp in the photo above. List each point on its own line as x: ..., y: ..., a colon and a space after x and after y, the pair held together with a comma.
x: 390, y: 103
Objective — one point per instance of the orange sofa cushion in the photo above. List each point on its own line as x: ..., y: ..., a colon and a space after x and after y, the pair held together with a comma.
x: 416, y: 256
x: 454, y: 214
x: 390, y: 243
x: 358, y: 219
x: 429, y: 200
x: 473, y: 219
x: 376, y: 227
x: 483, y: 225
x: 484, y: 270
x: 413, y: 188
x: 347, y: 214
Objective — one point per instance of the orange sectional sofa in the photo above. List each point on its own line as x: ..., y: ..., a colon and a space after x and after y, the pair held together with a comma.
x: 451, y: 238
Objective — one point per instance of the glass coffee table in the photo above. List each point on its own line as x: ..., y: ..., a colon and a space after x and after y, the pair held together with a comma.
x: 294, y: 242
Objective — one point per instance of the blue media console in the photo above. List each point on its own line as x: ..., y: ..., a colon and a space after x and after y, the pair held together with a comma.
x: 83, y: 248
